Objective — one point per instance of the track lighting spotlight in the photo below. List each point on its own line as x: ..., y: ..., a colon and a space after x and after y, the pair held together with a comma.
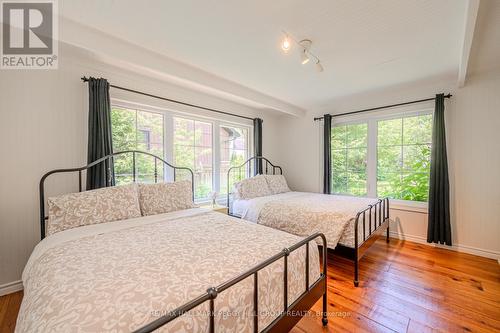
x: 319, y: 67
x: 286, y: 45
x: 304, y: 58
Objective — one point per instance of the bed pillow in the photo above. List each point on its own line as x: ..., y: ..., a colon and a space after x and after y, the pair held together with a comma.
x: 91, y: 207
x: 252, y: 188
x: 277, y: 184
x: 165, y: 197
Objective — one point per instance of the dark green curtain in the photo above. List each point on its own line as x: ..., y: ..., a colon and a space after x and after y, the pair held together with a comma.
x: 257, y: 144
x: 327, y: 149
x: 99, y: 135
x: 439, y: 229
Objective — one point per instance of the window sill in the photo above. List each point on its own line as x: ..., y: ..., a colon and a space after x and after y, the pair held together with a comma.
x: 409, y: 206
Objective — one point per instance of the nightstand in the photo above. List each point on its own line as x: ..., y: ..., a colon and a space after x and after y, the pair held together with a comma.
x: 216, y: 208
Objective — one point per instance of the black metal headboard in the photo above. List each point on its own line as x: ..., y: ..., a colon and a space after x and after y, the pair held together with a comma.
x: 260, y: 165
x: 109, y: 176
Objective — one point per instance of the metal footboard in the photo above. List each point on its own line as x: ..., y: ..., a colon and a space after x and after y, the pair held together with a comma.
x: 285, y: 321
x: 377, y: 217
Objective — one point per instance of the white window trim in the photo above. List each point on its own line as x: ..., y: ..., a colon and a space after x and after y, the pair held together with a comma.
x: 371, y: 119
x: 168, y: 137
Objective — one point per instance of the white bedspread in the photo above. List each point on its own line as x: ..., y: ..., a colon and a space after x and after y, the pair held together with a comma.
x: 119, y: 276
x: 304, y: 213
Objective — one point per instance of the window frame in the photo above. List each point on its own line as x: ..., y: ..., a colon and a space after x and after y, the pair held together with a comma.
x: 372, y: 119
x: 168, y: 137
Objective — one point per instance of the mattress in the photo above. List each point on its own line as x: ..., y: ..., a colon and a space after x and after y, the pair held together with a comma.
x: 304, y: 213
x: 119, y: 276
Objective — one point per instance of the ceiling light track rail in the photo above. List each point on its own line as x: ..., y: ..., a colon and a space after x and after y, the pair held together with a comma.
x: 85, y: 79
x: 382, y: 107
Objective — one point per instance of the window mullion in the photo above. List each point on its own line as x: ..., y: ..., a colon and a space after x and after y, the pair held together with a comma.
x: 372, y: 158
x: 216, y: 155
x: 168, y: 145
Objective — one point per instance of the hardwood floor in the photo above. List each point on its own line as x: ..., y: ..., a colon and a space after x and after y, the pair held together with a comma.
x: 404, y: 287
x: 9, y: 307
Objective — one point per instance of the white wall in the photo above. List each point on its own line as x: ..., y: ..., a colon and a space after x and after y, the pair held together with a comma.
x: 473, y: 131
x: 43, y: 126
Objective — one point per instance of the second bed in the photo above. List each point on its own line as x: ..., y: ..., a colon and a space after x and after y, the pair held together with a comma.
x: 350, y: 224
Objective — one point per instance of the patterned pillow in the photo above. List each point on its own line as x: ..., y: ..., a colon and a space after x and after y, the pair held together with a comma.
x: 165, y: 197
x: 252, y: 188
x: 277, y: 184
x: 92, y: 207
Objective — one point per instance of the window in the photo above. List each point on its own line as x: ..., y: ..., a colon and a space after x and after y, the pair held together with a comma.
x: 349, y: 158
x: 208, y: 147
x: 403, y: 157
x: 136, y: 130
x: 233, y: 152
x: 385, y: 156
x: 193, y: 149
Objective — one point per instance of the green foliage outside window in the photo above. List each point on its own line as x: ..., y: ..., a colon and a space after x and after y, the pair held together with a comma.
x: 349, y: 155
x: 126, y: 127
x: 404, y: 150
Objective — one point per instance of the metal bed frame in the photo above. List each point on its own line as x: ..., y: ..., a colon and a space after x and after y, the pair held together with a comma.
x: 286, y: 319
x: 375, y: 215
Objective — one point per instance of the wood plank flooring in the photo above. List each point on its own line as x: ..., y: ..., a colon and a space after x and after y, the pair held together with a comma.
x: 404, y: 287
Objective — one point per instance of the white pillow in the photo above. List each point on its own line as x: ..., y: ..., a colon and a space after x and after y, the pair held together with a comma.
x: 277, y: 184
x: 165, y: 197
x: 252, y: 188
x: 91, y: 207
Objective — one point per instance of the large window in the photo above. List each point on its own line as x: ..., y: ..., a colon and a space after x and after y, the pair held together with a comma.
x: 136, y: 130
x: 208, y: 147
x: 193, y: 149
x: 385, y: 156
x: 349, y: 158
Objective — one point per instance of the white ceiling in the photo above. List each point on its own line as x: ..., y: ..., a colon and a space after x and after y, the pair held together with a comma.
x: 363, y: 44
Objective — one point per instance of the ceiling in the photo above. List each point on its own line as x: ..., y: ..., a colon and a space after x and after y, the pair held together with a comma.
x: 363, y: 44
x: 485, y: 52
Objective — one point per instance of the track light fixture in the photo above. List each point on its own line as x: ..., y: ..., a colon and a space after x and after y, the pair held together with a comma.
x: 305, y: 50
x: 286, y: 44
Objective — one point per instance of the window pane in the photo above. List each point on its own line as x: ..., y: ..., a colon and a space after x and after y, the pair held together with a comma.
x: 417, y: 158
x: 357, y: 135
x: 349, y: 159
x: 338, y: 137
x: 193, y: 149
x: 389, y: 159
x: 356, y: 160
x: 403, y: 157
x: 233, y: 152
x: 123, y: 129
x: 137, y: 130
x: 339, y: 160
x: 417, y: 130
x: 339, y: 182
x: 389, y: 132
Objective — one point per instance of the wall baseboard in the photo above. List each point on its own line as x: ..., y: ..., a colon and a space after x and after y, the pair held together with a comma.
x: 11, y: 287
x: 459, y: 248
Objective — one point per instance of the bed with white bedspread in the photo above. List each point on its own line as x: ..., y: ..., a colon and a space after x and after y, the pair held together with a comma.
x: 143, y: 257
x: 351, y: 224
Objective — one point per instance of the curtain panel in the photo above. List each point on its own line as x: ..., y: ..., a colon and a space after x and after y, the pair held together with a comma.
x: 257, y: 144
x: 99, y: 135
x: 439, y: 228
x: 327, y: 149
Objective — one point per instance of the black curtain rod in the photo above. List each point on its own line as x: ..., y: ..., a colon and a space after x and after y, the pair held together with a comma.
x: 383, y: 107
x: 85, y: 79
